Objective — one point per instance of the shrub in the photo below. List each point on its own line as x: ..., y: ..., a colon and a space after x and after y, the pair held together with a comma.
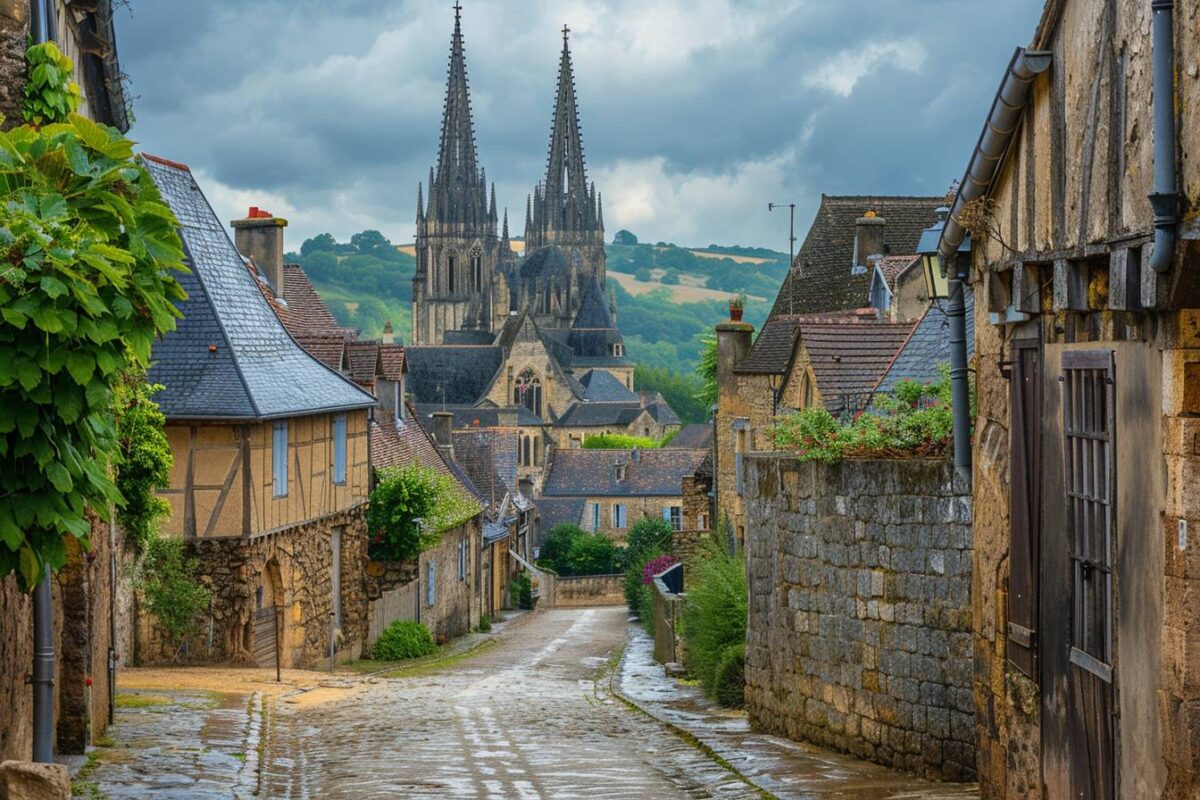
x: 620, y: 441
x: 411, y: 508
x: 522, y: 591
x: 649, y: 535
x: 643, y: 275
x: 403, y: 639
x: 171, y: 591
x: 145, y: 463
x: 485, y: 623
x: 729, y: 679
x: 916, y: 420
x: 714, y: 611
x: 569, y: 550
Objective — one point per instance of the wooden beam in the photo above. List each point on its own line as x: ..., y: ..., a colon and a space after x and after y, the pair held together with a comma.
x: 1124, y: 279
x: 1070, y: 285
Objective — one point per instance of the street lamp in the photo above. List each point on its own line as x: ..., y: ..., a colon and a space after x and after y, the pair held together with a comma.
x: 946, y: 282
x: 791, y: 207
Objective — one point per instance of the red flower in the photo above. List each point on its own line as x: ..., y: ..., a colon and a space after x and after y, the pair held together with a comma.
x: 87, y: 681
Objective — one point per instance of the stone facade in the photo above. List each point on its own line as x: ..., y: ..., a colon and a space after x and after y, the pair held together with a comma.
x: 636, y: 508
x: 455, y: 607
x: 14, y: 28
x: 859, y: 634
x: 589, y: 590
x: 81, y: 594
x: 292, y: 570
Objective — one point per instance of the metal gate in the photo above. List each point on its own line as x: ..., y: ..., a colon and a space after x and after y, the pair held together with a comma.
x: 266, y: 637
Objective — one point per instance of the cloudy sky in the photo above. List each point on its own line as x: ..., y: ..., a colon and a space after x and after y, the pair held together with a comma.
x: 695, y: 113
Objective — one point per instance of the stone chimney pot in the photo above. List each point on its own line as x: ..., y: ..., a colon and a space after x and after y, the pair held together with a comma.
x: 260, y: 237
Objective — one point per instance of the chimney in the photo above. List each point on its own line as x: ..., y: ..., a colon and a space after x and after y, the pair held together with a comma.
x: 443, y: 432
x: 260, y: 236
x: 868, y: 240
x: 525, y: 487
x: 389, y: 334
x: 733, y: 345
x: 619, y: 469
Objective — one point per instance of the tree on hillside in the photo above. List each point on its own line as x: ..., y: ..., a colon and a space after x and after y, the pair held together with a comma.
x: 707, y: 371
x: 373, y: 243
x: 624, y: 237
x: 321, y: 243
x: 643, y: 275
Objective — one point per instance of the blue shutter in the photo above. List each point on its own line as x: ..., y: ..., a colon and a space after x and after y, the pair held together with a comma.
x: 430, y: 578
x: 666, y: 514
x: 279, y: 456
x: 339, y: 448
x: 595, y: 516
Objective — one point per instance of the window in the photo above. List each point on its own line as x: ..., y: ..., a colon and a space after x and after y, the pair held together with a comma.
x: 808, y: 391
x: 526, y: 451
x: 339, y: 449
x: 528, y: 391
x: 463, y: 556
x: 430, y: 583
x: 595, y: 516
x: 450, y: 267
x: 673, y: 515
x: 741, y: 431
x: 618, y: 515
x: 537, y: 451
x: 1088, y: 445
x: 279, y: 456
x: 476, y: 273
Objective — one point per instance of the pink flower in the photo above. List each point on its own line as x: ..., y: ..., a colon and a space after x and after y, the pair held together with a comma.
x: 655, y: 566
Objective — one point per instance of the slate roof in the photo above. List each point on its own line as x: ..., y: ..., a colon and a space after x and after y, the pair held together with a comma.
x: 489, y: 458
x: 927, y: 347
x: 693, y: 437
x: 467, y: 337
x: 600, y: 386
x: 660, y: 410
x: 591, y: 473
x: 559, y: 511
x: 849, y: 360
x: 588, y: 415
x: 542, y: 263
x: 478, y: 416
x: 257, y: 370
x: 772, y: 350
x: 822, y: 279
x: 466, y: 372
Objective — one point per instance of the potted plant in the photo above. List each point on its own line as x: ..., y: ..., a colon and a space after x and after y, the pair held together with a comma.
x: 737, y: 305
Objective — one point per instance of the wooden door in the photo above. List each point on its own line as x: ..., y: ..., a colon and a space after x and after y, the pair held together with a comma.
x: 266, y: 637
x: 1089, y: 445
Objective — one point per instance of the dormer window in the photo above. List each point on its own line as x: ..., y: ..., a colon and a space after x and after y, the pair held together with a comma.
x: 621, y: 472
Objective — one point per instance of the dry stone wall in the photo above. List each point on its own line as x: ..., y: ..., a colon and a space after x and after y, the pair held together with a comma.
x: 859, y: 634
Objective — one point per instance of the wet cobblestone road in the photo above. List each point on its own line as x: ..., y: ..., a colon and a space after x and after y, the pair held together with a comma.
x: 526, y: 719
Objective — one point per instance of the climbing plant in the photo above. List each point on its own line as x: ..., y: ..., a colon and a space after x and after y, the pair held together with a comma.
x: 170, y: 590
x: 145, y: 463
x: 411, y: 508
x: 87, y: 250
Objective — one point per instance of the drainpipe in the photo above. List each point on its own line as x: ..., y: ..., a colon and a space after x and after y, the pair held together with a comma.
x: 41, y: 22
x: 1165, y: 199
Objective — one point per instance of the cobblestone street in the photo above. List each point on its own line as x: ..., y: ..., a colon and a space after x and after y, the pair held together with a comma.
x: 525, y: 719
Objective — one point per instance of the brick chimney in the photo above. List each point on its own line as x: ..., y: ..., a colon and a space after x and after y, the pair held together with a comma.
x: 389, y: 334
x: 260, y: 236
x: 869, y: 231
x: 733, y: 345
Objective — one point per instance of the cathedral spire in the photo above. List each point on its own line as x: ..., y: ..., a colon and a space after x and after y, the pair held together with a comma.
x: 456, y: 156
x: 566, y: 176
x: 420, y: 205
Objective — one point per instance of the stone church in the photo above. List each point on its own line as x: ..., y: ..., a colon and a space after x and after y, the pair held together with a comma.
x: 530, y: 343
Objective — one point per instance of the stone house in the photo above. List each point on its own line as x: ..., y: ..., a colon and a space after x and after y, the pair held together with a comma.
x: 830, y: 282
x: 619, y: 487
x: 82, y: 592
x: 1087, y: 575
x: 271, y: 472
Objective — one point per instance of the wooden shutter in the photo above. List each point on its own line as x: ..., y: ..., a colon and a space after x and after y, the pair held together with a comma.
x: 1025, y: 518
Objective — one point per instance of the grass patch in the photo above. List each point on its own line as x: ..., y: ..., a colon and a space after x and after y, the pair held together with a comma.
x: 82, y: 786
x: 125, y: 700
x: 436, y: 663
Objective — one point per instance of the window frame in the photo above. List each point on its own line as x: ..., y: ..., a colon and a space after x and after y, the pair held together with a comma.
x: 619, y: 516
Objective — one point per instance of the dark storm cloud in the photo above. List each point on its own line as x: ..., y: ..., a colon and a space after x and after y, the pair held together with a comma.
x: 695, y: 112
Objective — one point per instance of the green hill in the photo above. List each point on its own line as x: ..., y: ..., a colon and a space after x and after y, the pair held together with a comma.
x: 669, y: 298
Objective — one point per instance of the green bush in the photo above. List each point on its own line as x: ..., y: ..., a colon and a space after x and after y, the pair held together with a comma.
x: 522, y: 591
x: 411, y: 508
x: 619, y: 441
x: 729, y: 679
x: 485, y: 623
x: 714, y: 611
x: 170, y: 589
x: 648, y: 536
x: 569, y: 550
x: 403, y: 639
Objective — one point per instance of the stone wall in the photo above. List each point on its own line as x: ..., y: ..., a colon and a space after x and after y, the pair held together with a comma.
x: 14, y: 27
x: 859, y: 634
x: 589, y: 590
x: 81, y: 597
x: 687, y: 545
x: 450, y: 614
x: 293, y: 568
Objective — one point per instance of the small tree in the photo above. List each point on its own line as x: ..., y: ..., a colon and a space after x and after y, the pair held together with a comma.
x: 592, y: 554
x: 556, y: 543
x: 649, y: 535
x: 87, y: 248
x: 410, y: 509
x: 707, y: 371
x: 171, y: 592
x: 146, y: 461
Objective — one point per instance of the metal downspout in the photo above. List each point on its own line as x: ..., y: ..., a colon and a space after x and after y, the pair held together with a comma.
x: 1165, y: 198
x: 42, y: 28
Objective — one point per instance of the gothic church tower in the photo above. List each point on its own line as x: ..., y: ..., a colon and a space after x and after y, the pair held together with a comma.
x: 457, y: 248
x: 565, y: 210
